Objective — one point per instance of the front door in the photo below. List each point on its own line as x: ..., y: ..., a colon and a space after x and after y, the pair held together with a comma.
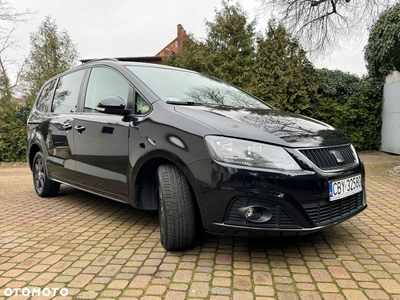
x: 101, y: 141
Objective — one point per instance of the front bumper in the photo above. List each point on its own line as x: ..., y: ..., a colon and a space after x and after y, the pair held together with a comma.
x: 297, y: 201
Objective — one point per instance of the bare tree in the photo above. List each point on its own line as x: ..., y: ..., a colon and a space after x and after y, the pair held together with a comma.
x: 9, y: 14
x: 322, y: 24
x: 7, y: 42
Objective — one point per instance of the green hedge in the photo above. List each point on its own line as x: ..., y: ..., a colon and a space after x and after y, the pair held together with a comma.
x: 13, y: 131
x: 351, y: 105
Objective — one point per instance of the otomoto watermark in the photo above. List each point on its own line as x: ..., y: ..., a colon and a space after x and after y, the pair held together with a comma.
x: 34, y: 291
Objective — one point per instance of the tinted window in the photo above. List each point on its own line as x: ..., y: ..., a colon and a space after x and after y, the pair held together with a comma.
x: 104, y: 82
x: 45, y: 97
x: 67, y: 91
x: 183, y: 86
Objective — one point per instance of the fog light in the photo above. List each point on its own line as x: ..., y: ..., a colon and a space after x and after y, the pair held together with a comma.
x: 255, y: 214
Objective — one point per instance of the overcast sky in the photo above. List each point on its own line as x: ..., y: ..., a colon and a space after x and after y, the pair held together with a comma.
x: 142, y: 28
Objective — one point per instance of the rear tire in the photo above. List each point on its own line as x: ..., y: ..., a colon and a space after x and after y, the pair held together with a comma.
x: 176, y: 208
x: 44, y: 187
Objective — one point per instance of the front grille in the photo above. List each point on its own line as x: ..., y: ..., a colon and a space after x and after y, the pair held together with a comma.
x: 326, y: 211
x: 280, y: 217
x: 331, y: 158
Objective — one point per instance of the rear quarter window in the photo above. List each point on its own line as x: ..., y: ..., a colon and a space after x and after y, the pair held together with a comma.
x: 67, y: 92
x: 44, y: 98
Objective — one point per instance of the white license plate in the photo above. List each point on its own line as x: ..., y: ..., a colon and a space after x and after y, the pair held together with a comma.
x: 342, y: 188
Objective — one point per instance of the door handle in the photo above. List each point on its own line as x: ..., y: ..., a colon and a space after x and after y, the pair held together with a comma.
x: 67, y: 126
x: 79, y: 128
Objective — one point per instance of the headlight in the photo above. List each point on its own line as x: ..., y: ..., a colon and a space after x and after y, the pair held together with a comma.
x: 252, y: 154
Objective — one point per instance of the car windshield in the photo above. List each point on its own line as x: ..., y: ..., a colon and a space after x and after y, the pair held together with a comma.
x: 186, y: 87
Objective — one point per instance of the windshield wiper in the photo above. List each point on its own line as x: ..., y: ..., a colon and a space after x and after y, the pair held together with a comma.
x: 209, y: 104
x: 183, y: 103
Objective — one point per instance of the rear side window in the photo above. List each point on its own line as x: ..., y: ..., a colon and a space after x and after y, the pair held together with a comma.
x: 104, y: 82
x: 67, y: 91
x: 45, y: 97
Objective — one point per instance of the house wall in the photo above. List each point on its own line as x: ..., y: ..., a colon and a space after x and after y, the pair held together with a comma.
x: 391, y: 114
x: 175, y: 45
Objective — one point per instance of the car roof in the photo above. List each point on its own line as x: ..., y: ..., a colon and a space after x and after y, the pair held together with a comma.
x: 113, y: 62
x: 120, y: 62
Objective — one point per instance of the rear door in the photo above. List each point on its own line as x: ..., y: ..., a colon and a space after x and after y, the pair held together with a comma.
x: 101, y: 140
x: 59, y: 137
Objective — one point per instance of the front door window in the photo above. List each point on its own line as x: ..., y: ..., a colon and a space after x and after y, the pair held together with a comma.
x: 104, y: 82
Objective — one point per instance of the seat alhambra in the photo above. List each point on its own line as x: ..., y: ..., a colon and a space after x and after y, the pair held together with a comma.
x: 197, y: 149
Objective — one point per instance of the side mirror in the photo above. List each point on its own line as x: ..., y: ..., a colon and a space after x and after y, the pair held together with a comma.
x: 113, y: 105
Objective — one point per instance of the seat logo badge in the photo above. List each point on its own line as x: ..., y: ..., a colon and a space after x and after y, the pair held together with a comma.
x: 338, y: 156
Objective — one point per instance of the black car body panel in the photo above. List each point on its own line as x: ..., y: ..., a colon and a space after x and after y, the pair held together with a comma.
x: 290, y: 192
x: 275, y: 126
x: 117, y: 155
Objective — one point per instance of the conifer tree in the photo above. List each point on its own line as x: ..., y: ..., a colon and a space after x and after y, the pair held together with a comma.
x: 52, y: 52
x: 284, y: 77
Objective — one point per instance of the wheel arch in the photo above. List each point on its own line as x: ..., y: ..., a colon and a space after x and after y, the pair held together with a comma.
x: 32, y: 152
x: 144, y: 173
x: 37, y: 144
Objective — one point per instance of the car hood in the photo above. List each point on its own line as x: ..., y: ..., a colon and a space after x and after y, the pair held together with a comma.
x: 266, y: 125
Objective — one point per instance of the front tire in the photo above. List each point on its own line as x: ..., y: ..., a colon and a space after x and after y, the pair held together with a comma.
x: 44, y: 187
x: 176, y: 208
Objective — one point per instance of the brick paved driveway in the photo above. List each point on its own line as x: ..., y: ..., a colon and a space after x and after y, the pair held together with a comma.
x: 100, y: 249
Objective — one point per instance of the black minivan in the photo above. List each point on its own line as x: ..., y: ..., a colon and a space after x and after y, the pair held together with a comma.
x: 197, y: 149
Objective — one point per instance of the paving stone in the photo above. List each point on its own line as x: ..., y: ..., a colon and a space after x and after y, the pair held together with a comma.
x: 43, y: 279
x: 224, y: 268
x: 390, y: 285
x: 178, y: 286
x: 12, y: 273
x: 328, y: 287
x: 182, y: 276
x: 155, y: 290
x: 376, y: 294
x: 148, y: 270
x: 95, y: 287
x: 118, y: 284
x: 109, y: 270
x: 219, y: 297
x: 241, y: 283
x: 302, y: 278
x: 101, y: 260
x: 309, y: 295
x: 223, y: 259
x: 240, y: 295
x: 101, y: 280
x: 354, y: 294
x: 140, y: 281
x: 346, y: 284
x: 306, y: 286
x: 173, y: 295
x: 132, y: 293
x: 87, y: 295
x: 199, y: 290
x: 220, y: 291
x: 101, y: 249
x: 264, y: 291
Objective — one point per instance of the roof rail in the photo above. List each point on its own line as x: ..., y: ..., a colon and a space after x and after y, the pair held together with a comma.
x: 83, y: 61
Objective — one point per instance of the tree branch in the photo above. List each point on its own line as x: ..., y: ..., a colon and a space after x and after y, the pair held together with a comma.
x: 315, y: 22
x: 316, y: 3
